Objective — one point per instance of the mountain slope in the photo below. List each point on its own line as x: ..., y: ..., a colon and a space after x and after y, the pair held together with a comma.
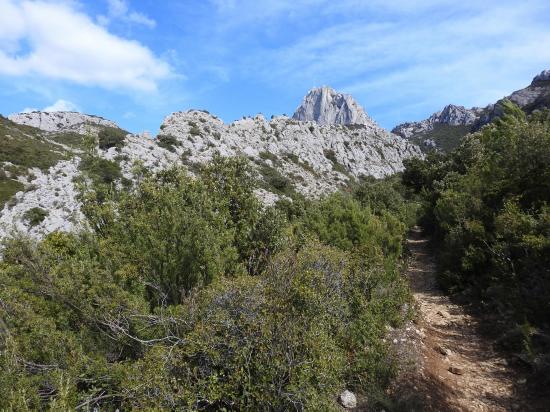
x: 443, y: 130
x: 291, y: 157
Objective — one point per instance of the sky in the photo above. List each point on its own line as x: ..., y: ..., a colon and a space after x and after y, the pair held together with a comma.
x: 136, y: 61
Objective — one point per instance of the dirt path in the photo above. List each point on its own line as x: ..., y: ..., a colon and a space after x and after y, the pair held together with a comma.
x: 458, y: 368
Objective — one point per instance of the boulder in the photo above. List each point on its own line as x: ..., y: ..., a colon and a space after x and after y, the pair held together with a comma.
x: 347, y: 399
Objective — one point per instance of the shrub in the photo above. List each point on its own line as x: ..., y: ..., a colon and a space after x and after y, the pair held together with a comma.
x: 195, y: 131
x: 111, y: 137
x: 168, y: 142
x: 101, y: 170
x: 154, y: 309
x: 339, y: 220
x: 35, y: 216
x: 487, y: 205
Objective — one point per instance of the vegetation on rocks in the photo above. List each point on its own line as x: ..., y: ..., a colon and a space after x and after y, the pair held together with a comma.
x: 187, y: 293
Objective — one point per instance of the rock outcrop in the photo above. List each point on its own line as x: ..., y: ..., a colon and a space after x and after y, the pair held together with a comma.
x: 325, y: 106
x: 289, y: 155
x: 61, y: 121
x: 451, y: 115
x: 454, y: 122
x: 316, y: 158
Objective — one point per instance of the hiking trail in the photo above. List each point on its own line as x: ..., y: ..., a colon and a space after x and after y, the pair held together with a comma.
x: 458, y: 368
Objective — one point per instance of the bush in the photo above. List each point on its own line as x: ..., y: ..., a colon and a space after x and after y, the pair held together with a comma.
x: 341, y: 221
x: 168, y: 142
x: 35, y: 216
x: 111, y: 137
x: 101, y: 171
x: 156, y: 309
x: 487, y: 205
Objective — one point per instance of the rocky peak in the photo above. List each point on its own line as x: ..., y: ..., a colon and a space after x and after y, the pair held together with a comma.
x: 455, y: 115
x: 61, y: 121
x: 325, y: 105
x: 542, y: 77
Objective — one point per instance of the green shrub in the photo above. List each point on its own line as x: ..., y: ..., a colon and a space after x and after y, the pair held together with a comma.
x: 101, y: 170
x: 275, y: 181
x: 195, y: 131
x: 341, y: 221
x: 8, y: 188
x: 487, y: 205
x: 111, y: 137
x: 35, y: 216
x: 155, y: 307
x: 168, y: 142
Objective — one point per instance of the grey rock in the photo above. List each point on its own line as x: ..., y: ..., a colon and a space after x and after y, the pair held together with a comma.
x: 316, y: 159
x: 347, y: 399
x: 325, y: 105
x: 533, y: 97
x: 451, y: 115
x: 543, y: 76
x: 61, y: 121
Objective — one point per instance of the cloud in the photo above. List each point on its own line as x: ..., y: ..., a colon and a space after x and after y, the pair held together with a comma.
x: 57, y: 41
x: 119, y: 10
x: 407, y: 60
x: 61, y: 106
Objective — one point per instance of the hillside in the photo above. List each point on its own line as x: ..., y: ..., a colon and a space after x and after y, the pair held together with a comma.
x: 445, y: 129
x: 291, y: 157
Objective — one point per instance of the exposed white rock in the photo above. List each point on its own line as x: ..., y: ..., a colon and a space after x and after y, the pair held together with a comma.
x: 54, y: 192
x: 317, y: 158
x: 142, y: 150
x: 60, y: 121
x: 325, y: 105
x: 450, y: 115
x: 347, y: 399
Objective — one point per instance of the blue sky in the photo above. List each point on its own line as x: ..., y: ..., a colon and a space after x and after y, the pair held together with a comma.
x: 137, y: 61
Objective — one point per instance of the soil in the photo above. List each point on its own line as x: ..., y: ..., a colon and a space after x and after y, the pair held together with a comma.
x: 455, y: 366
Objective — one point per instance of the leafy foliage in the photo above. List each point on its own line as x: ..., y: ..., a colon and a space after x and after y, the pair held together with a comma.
x: 168, y: 142
x: 488, y: 204
x: 188, y: 294
x: 111, y: 137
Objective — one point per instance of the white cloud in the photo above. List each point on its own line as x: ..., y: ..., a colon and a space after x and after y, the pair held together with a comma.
x: 58, y: 41
x: 61, y: 106
x: 119, y: 10
x: 465, y: 53
x: 140, y: 18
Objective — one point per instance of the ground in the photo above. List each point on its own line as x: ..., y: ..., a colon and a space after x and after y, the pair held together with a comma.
x: 453, y: 366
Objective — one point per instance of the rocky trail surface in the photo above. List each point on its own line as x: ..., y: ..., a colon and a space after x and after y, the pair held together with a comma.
x: 457, y: 368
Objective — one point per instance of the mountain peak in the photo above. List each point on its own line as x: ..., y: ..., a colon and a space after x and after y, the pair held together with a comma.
x: 325, y: 105
x: 543, y: 76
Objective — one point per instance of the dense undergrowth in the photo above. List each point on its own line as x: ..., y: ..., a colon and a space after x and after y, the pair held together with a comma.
x: 187, y: 293
x: 487, y: 205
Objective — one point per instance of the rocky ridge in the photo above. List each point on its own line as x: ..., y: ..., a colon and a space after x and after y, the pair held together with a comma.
x: 451, y: 115
x: 457, y: 121
x: 289, y: 155
x: 61, y: 121
x: 325, y: 105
